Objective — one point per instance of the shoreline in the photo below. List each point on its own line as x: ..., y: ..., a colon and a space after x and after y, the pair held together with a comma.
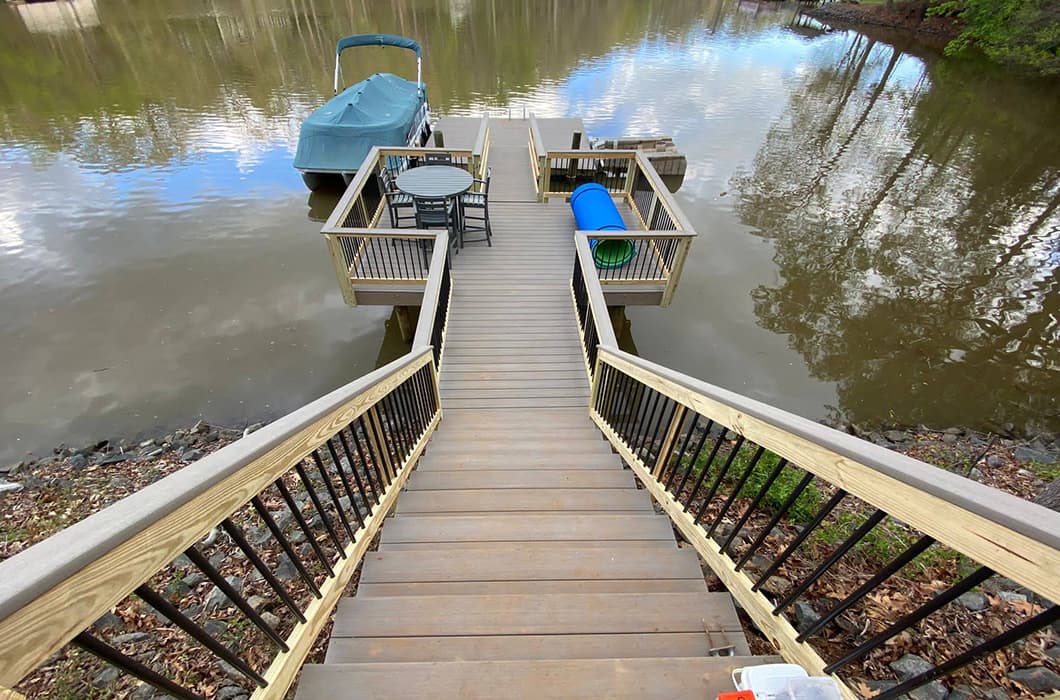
x: 907, y: 17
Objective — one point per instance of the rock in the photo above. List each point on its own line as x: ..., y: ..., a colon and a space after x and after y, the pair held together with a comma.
x: 805, y: 616
x: 285, y: 570
x: 216, y: 599
x: 192, y: 455
x: 759, y: 563
x: 231, y: 692
x: 230, y: 671
x: 994, y: 461
x: 254, y: 427
x: 973, y: 600
x: 976, y: 474
x: 109, y: 621
x: 178, y: 588
x: 1037, y: 679
x: 114, y: 459
x: 909, y: 666
x: 897, y: 435
x: 105, y: 677
x: 271, y: 620
x: 215, y: 628
x: 236, y: 583
x: 949, y: 439
x: 779, y: 586
x: 218, y: 560
x: 10, y: 486
x: 150, y: 452
x: 192, y: 611
x: 78, y: 461
x: 130, y: 638
x: 962, y: 692
x: 200, y: 427
x: 953, y: 431
x: 878, y: 687
x: 12, y: 468
x: 1011, y: 597
x: 194, y: 579
x: 994, y: 694
x: 1029, y: 454
x: 1053, y: 652
x: 256, y: 602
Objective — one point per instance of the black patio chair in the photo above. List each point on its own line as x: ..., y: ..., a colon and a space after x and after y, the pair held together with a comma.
x: 437, y: 158
x: 396, y: 200
x: 475, y: 212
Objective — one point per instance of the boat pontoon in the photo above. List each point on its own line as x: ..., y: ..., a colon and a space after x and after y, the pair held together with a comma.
x: 381, y: 110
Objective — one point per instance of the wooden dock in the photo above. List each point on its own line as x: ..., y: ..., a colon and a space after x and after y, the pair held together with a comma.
x: 517, y: 566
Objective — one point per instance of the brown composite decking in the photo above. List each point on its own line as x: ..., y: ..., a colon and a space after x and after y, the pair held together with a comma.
x: 523, y: 561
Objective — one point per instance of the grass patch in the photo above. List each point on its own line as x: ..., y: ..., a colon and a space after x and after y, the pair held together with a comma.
x: 1045, y: 472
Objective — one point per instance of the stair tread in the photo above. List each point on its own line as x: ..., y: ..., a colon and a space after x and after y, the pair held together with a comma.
x: 521, y: 527
x: 525, y: 500
x: 644, y: 678
x: 557, y: 613
x: 494, y: 461
x: 450, y: 480
x: 512, y: 647
x: 521, y: 563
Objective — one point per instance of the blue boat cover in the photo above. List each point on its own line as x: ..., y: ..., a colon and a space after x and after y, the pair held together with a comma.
x: 377, y: 111
x: 377, y: 40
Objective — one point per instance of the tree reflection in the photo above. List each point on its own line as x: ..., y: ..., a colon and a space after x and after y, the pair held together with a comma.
x: 916, y: 232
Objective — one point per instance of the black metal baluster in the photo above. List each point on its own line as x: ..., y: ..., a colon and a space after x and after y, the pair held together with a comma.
x: 706, y: 468
x: 827, y: 508
x: 754, y: 504
x: 621, y: 387
x: 674, y: 461
x: 693, y: 459
x: 613, y: 401
x: 171, y: 613
x: 906, y: 621
x: 1042, y: 619
x: 781, y: 512
x: 645, y: 427
x: 324, y: 519
x: 360, y: 433
x: 662, y: 423
x: 133, y: 667
x: 200, y: 561
x: 911, y: 553
x: 345, y: 486
x: 300, y: 519
x: 249, y: 552
x: 365, y: 500
x: 734, y: 451
x: 285, y: 544
x: 855, y: 537
x: 734, y: 494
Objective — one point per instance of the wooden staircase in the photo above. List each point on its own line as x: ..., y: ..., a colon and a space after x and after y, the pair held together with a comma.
x: 528, y: 568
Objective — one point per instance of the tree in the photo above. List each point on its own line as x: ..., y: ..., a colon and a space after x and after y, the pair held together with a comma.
x: 1016, y: 32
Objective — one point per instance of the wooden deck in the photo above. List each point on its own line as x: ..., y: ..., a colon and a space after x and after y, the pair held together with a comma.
x: 515, y: 567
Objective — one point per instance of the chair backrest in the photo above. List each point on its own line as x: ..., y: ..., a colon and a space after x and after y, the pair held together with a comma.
x: 387, y: 184
x: 438, y: 158
x: 431, y: 210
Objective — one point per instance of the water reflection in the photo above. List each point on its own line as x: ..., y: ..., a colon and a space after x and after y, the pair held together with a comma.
x: 892, y: 220
x: 914, y: 215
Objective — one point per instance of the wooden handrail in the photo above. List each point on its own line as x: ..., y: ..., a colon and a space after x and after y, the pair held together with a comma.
x: 663, y: 193
x: 1016, y: 538
x: 429, y: 303
x: 354, y: 189
x: 55, y: 589
x: 348, y: 232
x: 638, y: 235
x: 597, y: 304
x: 481, y: 147
x: 536, y: 141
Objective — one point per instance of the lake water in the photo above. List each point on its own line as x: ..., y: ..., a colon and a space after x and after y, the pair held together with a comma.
x: 879, y: 227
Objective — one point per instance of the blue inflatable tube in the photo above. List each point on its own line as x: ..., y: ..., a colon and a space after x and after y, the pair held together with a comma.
x: 594, y: 210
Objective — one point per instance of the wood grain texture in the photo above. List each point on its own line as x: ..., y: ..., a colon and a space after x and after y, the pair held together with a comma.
x: 524, y: 501
x: 521, y: 479
x: 554, y: 527
x: 973, y: 519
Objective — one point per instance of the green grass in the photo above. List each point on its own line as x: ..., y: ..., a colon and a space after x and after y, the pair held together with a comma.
x: 1046, y: 472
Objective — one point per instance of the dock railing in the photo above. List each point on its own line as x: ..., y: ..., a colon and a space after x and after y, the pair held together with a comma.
x: 777, y: 505
x: 307, y: 492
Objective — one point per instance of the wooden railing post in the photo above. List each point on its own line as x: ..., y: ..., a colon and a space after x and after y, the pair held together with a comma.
x: 674, y: 278
x: 631, y: 175
x: 545, y: 168
x: 668, y: 442
x: 342, y: 270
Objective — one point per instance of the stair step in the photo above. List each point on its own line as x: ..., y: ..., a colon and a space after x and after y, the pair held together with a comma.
x: 524, y: 501
x: 520, y: 446
x: 521, y: 563
x: 530, y: 587
x: 493, y: 462
x: 501, y: 545
x: 530, y: 527
x: 449, y: 480
x: 571, y: 646
x: 558, y: 613
x: 448, y: 435
x: 506, y: 418
x: 623, y: 678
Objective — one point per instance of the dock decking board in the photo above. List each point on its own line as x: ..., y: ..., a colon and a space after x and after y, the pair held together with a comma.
x: 522, y: 560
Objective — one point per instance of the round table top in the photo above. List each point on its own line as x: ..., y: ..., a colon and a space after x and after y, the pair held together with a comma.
x: 434, y: 181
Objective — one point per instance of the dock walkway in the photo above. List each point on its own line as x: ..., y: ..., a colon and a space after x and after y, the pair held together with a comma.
x: 516, y: 567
